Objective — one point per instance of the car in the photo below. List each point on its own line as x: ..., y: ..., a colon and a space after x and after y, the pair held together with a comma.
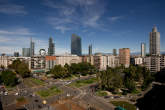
x: 106, y: 96
x: 112, y: 97
x: 16, y: 93
x: 116, y: 97
x: 6, y: 93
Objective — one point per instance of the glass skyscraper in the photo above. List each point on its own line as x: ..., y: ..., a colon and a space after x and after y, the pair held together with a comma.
x: 31, y: 48
x: 155, y: 42
x: 26, y: 52
x: 76, y: 45
x: 51, y: 50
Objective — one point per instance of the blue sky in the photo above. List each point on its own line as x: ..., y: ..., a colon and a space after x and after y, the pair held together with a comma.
x: 106, y: 24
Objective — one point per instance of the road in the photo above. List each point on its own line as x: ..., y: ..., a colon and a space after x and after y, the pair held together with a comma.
x: 82, y: 95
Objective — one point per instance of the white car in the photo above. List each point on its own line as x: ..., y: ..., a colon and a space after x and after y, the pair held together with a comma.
x: 6, y: 93
x: 16, y: 93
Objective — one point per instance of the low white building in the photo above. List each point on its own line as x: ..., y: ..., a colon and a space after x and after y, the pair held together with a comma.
x: 4, y: 61
x: 103, y: 61
x: 67, y: 59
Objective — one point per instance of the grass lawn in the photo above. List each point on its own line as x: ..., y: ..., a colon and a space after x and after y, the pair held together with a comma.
x: 81, y: 83
x: 31, y: 82
x: 124, y: 104
x: 9, y: 88
x: 101, y: 93
x: 37, y: 81
x: 20, y: 99
x: 49, y: 92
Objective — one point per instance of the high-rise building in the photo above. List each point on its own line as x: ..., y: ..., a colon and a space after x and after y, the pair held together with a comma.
x: 90, y: 49
x: 155, y: 42
x: 76, y: 45
x: 124, y: 56
x: 31, y: 48
x: 143, y: 50
x: 16, y: 54
x: 26, y: 52
x: 114, y: 52
x: 51, y: 49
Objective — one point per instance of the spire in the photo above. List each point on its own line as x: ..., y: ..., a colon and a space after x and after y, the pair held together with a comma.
x: 154, y: 29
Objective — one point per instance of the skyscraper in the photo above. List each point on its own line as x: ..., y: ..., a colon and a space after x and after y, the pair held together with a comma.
x: 51, y: 49
x: 31, y: 48
x: 155, y: 42
x: 114, y: 52
x: 16, y: 54
x: 143, y: 49
x: 90, y: 49
x: 76, y: 45
x: 26, y: 52
x: 124, y: 56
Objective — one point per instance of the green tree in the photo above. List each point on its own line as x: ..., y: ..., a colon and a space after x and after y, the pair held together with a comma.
x: 9, y: 78
x: 110, y: 80
x: 59, y: 72
x: 20, y: 67
x: 23, y: 70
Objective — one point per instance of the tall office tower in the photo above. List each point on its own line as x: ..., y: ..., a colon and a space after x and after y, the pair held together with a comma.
x: 26, y: 52
x: 31, y: 48
x: 76, y: 45
x: 114, y: 52
x: 155, y: 42
x: 143, y: 49
x: 16, y: 54
x: 90, y: 49
x: 51, y: 49
x: 124, y: 56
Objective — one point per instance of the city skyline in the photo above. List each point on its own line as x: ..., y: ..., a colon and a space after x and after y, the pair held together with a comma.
x: 128, y: 25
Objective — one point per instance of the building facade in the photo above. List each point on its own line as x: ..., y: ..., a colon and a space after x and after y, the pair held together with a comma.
x: 4, y: 61
x: 25, y: 52
x: 16, y: 54
x: 37, y: 64
x: 143, y: 50
x: 136, y: 60
x: 67, y: 59
x: 76, y: 45
x: 114, y: 52
x: 32, y: 48
x: 90, y: 50
x: 51, y: 49
x: 124, y: 56
x: 101, y: 62
x: 50, y: 62
x: 154, y: 42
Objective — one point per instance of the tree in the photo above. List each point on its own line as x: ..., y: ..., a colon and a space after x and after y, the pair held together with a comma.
x: 130, y: 84
x: 110, y: 80
x: 20, y: 67
x: 9, y: 78
x: 59, y: 72
x: 23, y: 70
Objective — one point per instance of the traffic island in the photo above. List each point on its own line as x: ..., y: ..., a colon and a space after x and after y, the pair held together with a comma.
x: 124, y: 104
x: 49, y: 92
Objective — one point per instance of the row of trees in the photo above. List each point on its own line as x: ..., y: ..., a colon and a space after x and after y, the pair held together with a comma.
x: 17, y: 69
x: 114, y: 78
x: 77, y: 69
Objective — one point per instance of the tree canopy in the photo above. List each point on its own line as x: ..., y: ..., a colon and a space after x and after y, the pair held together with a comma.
x: 20, y: 67
x: 8, y: 78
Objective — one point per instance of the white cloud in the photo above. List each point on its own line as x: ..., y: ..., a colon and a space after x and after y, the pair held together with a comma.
x: 62, y: 28
x: 115, y: 18
x: 12, y: 9
x: 19, y: 31
x: 92, y: 22
x: 73, y: 13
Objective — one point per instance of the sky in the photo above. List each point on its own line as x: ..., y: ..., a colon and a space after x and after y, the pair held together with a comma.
x: 106, y: 24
